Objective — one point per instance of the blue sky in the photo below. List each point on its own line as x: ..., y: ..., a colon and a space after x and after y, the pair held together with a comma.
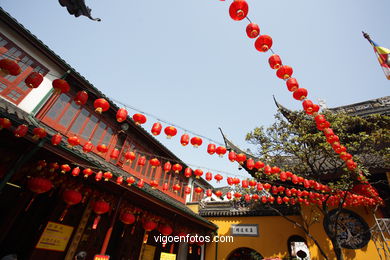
x: 189, y: 63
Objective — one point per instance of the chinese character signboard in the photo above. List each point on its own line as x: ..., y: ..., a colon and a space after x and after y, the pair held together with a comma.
x: 55, y: 237
x: 167, y: 256
x: 245, y: 230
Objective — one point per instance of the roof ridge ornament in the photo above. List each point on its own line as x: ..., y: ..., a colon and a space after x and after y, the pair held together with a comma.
x: 77, y: 8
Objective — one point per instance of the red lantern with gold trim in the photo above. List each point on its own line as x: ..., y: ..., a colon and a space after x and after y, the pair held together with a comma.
x: 65, y: 168
x: 184, y: 139
x: 240, y: 158
x: 252, y: 30
x: 300, y: 94
x: 102, y: 148
x: 121, y: 115
x: 100, y: 207
x: 154, y: 184
x: 39, y: 133
x: 21, y: 130
x: 218, y: 178
x: 259, y: 165
x: 33, y: 80
x: 127, y: 217
x: 87, y: 147
x: 76, y: 171
x: 165, y: 186
x: 141, y: 183
x: 60, y: 86
x: 141, y: 161
x: 250, y: 163
x: 81, y: 98
x: 218, y: 193
x: 187, y: 190
x: 167, y: 167
x: 154, y: 162
x: 221, y: 151
x: 130, y: 180
x: 101, y: 105
x: 9, y: 67
x: 196, y: 141
x: 5, y: 123
x: 56, y: 139
x: 284, y: 72
x: 198, y: 190
x: 87, y: 172
x: 176, y: 188
x: 73, y: 141
x: 275, y: 61
x: 198, y: 173
x: 232, y: 156
x: 170, y: 131
x: 38, y: 185
x: 263, y: 43
x: 156, y: 128
x: 99, y: 176
x: 129, y: 156
x: 292, y: 84
x: 71, y: 197
x: 209, y: 176
x: 238, y: 10
x: 211, y: 148
x: 188, y: 172
x: 177, y: 168
x: 107, y: 176
x: 139, y: 119
x: 148, y: 225
x: 119, y: 180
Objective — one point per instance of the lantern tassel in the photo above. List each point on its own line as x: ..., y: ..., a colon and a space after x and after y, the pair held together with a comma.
x: 31, y: 201
x: 96, y: 222
x: 64, y: 213
x: 199, y: 251
x: 124, y: 231
x: 146, y: 236
x: 172, y: 248
x: 190, y: 250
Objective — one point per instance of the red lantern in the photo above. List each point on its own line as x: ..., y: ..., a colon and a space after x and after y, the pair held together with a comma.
x: 283, y: 176
x: 33, y: 80
x: 263, y: 43
x: 39, y: 133
x: 307, y: 106
x: 76, y: 171
x: 130, y: 156
x: 41, y: 164
x: 230, y: 181
x: 275, y: 170
x: 167, y: 167
x: 300, y: 94
x: 238, y: 10
x: 141, y: 183
x: 284, y: 72
x: 196, y: 141
x: 71, y: 197
x: 9, y: 67
x: 209, y: 176
x: 154, y: 184
x: 101, y: 105
x: 99, y: 176
x: 245, y: 184
x: 250, y: 163
x: 38, y: 185
x: 211, y: 148
x: 229, y: 195
x: 166, y: 230
x: 218, y: 177
x: 220, y: 151
x: 187, y: 190
x: 263, y: 199
x: 267, y: 186
x: 165, y: 186
x: 141, y: 161
x: 156, y: 128
x: 21, y: 131
x: 81, y: 98
x: 170, y: 131
x: 99, y: 207
x: 53, y: 166
x: 176, y: 188
x: 5, y: 123
x: 259, y: 165
x: 271, y: 199
x: 121, y: 115
x: 87, y: 172
x: 154, y: 162
x: 292, y: 84
x: 237, y: 195
x: 65, y: 168
x: 252, y: 30
x: 119, y: 180
x: 87, y: 147
x: 107, y: 176
x: 148, y: 226
x: 351, y: 165
x: 130, y: 180
x: 102, y: 148
x: 232, y: 156
x: 60, y: 86
x: 198, y: 173
x: 218, y: 193
x: 209, y: 192
x: 56, y: 139
x: 259, y: 187
x: 73, y: 141
x: 275, y: 61
x: 198, y: 190
x: 252, y: 183
x: 240, y: 158
x: 139, y: 119
x: 127, y: 217
x: 177, y: 168
x: 188, y: 172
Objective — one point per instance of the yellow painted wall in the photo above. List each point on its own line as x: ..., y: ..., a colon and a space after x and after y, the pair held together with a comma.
x: 271, y: 242
x: 274, y: 232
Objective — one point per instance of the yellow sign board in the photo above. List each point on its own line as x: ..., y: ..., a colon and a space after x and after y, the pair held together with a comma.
x: 101, y: 257
x: 55, y: 237
x: 167, y: 256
